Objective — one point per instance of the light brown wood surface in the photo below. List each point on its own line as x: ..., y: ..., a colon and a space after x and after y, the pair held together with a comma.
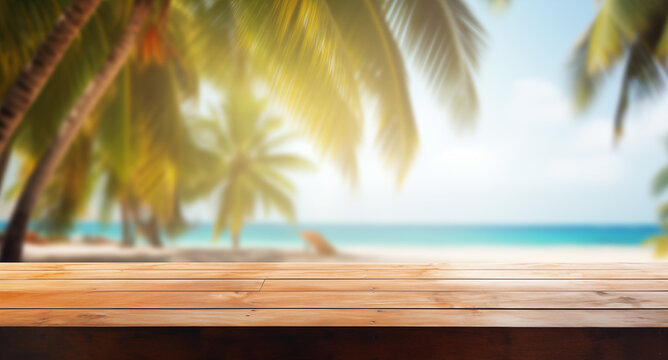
x: 303, y: 294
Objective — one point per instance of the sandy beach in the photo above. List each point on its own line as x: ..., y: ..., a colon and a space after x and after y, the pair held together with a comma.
x: 69, y: 252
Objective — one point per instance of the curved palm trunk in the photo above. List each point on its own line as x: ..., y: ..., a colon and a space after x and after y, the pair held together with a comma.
x: 148, y: 228
x: 12, y: 245
x: 4, y: 164
x: 30, y: 82
x: 128, y: 228
x: 153, y: 232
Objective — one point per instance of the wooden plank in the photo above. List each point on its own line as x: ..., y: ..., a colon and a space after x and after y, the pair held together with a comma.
x: 324, y: 299
x: 130, y: 285
x: 333, y: 343
x: 340, y: 274
x: 334, y: 317
x: 29, y: 266
x: 463, y: 285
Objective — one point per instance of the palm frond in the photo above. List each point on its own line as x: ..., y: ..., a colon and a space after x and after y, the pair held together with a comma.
x: 606, y: 44
x: 662, y: 211
x: 285, y: 161
x: 623, y: 30
x: 660, y: 181
x: 297, y: 47
x: 211, y: 38
x: 585, y: 85
x: 68, y: 81
x: 660, y: 244
x: 662, y: 47
x: 380, y: 69
x: 445, y: 41
x: 617, y: 23
x: 274, y: 176
x: 641, y: 76
x: 272, y: 196
x: 69, y: 192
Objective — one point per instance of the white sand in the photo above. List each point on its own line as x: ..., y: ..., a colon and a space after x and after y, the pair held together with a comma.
x: 93, y: 253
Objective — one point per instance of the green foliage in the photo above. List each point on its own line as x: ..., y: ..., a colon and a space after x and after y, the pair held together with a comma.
x: 660, y: 244
x: 322, y: 57
x: 631, y: 33
x: 319, y: 60
x: 252, y: 163
x: 660, y: 181
x: 634, y: 35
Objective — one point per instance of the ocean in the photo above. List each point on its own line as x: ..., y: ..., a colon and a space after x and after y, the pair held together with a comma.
x: 426, y: 236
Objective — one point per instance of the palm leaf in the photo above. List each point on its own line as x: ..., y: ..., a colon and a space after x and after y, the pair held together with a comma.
x: 585, y: 85
x: 273, y: 176
x: 660, y: 244
x: 445, y: 40
x: 660, y: 181
x: 297, y: 47
x: 642, y: 76
x: 606, y: 43
x: 285, y: 161
x: 70, y: 190
x: 272, y: 196
x: 381, y: 71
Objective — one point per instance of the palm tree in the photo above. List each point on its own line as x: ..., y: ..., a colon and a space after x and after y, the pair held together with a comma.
x: 30, y: 82
x: 251, y: 164
x: 23, y: 27
x: 320, y: 58
x: 660, y: 242
x: 136, y: 136
x: 151, y: 160
x: 633, y: 34
x: 12, y: 244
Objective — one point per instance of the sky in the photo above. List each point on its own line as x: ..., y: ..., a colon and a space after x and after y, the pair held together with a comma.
x: 530, y: 158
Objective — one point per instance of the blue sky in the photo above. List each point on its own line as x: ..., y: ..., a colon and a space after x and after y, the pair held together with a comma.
x: 530, y: 159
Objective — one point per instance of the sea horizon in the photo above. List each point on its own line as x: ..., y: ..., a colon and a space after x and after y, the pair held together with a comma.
x: 424, y: 235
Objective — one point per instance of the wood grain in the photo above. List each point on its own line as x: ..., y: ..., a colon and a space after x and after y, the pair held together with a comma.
x: 131, y: 285
x: 335, y: 300
x: 660, y: 273
x: 42, y: 266
x: 334, y: 317
x: 464, y: 285
x: 301, y: 294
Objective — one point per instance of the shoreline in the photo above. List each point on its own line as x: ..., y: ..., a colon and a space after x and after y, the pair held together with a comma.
x: 69, y: 252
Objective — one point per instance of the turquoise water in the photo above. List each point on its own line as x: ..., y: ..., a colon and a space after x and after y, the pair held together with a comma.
x: 342, y: 235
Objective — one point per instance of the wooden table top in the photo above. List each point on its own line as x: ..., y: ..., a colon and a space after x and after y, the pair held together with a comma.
x: 301, y: 294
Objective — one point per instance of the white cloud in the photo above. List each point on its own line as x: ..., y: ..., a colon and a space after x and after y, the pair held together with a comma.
x: 467, y: 159
x: 646, y: 126
x: 537, y: 101
x: 593, y: 136
x: 472, y: 166
x: 594, y: 170
x: 529, y: 160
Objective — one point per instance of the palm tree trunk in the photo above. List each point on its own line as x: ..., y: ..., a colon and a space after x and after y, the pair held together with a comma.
x: 12, y: 245
x: 128, y: 228
x: 4, y: 164
x: 149, y: 229
x: 30, y: 82
x: 153, y: 232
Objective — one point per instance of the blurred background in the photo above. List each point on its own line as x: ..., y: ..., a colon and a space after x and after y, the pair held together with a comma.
x: 333, y: 130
